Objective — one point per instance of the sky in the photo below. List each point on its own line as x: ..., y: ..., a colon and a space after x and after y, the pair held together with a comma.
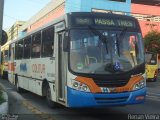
x: 20, y: 10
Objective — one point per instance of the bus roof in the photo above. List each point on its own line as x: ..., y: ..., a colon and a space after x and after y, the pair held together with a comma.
x: 74, y: 14
x: 85, y: 19
x: 41, y: 28
x: 101, y: 14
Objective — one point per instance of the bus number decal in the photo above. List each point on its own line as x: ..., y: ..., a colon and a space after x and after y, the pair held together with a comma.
x: 38, y: 68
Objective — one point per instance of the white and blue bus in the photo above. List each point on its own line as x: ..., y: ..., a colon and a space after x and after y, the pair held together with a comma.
x: 82, y: 59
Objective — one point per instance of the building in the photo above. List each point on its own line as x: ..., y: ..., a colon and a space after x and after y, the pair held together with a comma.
x: 14, y: 31
x: 52, y: 10
x: 146, y: 11
x: 57, y: 8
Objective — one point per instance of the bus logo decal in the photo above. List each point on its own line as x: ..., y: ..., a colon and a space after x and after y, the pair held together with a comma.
x: 23, y: 67
x: 105, y: 90
x: 38, y: 68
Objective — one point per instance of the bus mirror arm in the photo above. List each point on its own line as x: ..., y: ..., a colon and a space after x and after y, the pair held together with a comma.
x: 65, y: 44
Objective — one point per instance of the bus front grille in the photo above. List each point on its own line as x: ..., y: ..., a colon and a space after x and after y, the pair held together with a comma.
x: 111, y: 100
x: 111, y: 83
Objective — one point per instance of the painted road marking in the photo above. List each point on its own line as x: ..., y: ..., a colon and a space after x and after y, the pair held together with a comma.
x: 31, y: 107
x: 151, y: 93
x: 9, y: 88
x: 153, y: 97
x: 35, y: 110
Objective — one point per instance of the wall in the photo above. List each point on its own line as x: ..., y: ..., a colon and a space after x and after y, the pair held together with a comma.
x: 57, y: 9
x: 147, y: 26
x: 87, y: 5
x: 147, y: 10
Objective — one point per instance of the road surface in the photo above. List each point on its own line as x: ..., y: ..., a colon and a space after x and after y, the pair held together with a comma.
x: 29, y: 106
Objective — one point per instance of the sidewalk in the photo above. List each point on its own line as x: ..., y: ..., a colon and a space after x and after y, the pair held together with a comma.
x: 18, y: 107
x: 4, y: 105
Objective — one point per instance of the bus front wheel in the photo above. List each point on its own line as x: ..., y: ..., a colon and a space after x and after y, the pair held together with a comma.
x: 49, y: 101
x: 19, y: 90
x: 5, y: 75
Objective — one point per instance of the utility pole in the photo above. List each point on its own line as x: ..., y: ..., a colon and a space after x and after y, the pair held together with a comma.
x: 1, y: 17
x: 1, y: 22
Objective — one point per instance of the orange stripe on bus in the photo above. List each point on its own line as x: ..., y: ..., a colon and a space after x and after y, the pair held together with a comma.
x: 90, y: 83
x: 11, y: 67
x: 130, y: 84
x: 96, y: 89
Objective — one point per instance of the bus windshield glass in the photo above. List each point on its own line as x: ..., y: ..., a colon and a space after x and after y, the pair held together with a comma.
x: 100, y: 51
x: 151, y: 58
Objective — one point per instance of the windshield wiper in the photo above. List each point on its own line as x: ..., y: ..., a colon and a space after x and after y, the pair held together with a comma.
x: 122, y: 34
x: 101, y: 36
x: 117, y: 45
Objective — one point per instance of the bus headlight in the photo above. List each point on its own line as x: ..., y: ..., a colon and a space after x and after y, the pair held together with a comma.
x: 80, y: 86
x: 139, y: 84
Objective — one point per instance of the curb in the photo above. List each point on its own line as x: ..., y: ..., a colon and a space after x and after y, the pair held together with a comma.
x: 4, y: 105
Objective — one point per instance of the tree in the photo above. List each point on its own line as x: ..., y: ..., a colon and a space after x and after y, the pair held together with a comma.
x: 152, y: 41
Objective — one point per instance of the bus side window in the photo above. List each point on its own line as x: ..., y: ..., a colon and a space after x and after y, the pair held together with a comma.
x: 6, y: 55
x: 27, y: 47
x: 2, y: 57
x: 47, y: 42
x: 36, y: 45
x: 9, y: 52
x: 19, y: 49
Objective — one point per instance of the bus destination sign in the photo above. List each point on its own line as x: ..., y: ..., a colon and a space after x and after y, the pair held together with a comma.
x: 105, y: 22
x: 111, y: 22
x: 84, y: 21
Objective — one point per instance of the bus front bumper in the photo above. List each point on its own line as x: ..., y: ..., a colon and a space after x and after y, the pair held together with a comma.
x: 82, y: 99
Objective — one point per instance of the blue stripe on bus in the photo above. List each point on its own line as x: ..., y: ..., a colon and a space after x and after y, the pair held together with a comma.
x: 82, y: 99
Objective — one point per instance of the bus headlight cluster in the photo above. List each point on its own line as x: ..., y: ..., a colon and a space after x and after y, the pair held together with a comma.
x: 139, y: 84
x: 80, y: 86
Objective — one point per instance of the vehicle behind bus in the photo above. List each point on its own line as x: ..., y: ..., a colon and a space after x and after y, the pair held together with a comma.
x: 151, y: 66
x: 82, y: 60
x: 4, y: 60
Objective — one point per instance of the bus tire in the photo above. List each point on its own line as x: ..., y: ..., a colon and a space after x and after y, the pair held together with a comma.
x: 19, y: 90
x: 155, y: 79
x: 49, y: 101
x: 5, y: 75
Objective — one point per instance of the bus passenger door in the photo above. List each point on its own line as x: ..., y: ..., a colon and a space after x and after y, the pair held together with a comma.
x: 62, y: 66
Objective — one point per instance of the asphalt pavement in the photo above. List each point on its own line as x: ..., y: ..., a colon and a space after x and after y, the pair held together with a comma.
x: 29, y: 106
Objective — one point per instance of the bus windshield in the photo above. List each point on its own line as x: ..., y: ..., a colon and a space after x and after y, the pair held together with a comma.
x: 99, y: 51
x: 151, y: 58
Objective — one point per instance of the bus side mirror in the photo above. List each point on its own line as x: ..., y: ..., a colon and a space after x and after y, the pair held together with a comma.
x: 65, y: 44
x: 4, y: 38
